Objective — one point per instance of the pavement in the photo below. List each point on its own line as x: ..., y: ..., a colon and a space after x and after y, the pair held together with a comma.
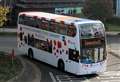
x: 8, y: 30
x: 30, y: 72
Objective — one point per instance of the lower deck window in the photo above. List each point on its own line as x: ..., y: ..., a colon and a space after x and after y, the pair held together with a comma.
x: 92, y: 55
x: 39, y: 44
x: 43, y: 45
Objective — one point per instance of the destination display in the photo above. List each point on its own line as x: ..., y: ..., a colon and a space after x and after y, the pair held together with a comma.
x: 92, y: 42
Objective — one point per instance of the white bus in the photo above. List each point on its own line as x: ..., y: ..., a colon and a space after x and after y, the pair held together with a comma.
x: 72, y: 44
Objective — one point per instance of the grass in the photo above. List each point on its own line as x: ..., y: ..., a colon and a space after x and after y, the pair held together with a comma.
x: 8, y: 69
x: 113, y: 27
x: 113, y: 24
x: 8, y: 33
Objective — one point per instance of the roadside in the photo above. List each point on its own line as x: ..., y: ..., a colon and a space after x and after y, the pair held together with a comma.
x: 15, y: 68
x: 30, y: 72
x: 7, y: 31
x: 10, y: 66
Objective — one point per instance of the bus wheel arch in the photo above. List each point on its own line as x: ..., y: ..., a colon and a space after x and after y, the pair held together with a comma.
x: 30, y: 53
x: 61, y: 65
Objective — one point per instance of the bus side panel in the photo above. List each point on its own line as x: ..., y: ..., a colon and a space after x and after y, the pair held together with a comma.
x: 72, y: 67
x: 45, y: 57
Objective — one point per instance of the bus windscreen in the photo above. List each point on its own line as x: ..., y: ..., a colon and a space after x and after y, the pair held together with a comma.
x: 91, y: 30
x: 92, y: 45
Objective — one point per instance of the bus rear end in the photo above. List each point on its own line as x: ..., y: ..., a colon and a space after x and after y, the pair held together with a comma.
x: 92, y: 48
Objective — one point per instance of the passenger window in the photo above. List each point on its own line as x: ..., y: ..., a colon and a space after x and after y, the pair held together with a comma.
x: 21, y: 19
x: 32, y: 22
x: 53, y: 26
x: 44, y: 24
x: 71, y: 31
x: 62, y: 28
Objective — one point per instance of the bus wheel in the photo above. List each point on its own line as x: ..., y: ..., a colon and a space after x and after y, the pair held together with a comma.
x: 61, y: 65
x: 30, y: 53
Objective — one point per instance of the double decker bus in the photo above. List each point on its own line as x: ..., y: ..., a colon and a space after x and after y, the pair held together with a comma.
x: 72, y: 44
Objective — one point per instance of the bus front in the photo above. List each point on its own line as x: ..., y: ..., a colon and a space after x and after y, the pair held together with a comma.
x: 92, y: 48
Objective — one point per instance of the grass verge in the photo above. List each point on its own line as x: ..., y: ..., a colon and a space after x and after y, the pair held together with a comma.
x: 8, y: 68
x: 8, y: 33
x: 112, y: 27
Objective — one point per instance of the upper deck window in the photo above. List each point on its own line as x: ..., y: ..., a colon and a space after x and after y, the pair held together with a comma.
x: 53, y: 26
x: 29, y: 21
x: 62, y: 29
x: 91, y: 30
x: 44, y: 24
x: 71, y: 30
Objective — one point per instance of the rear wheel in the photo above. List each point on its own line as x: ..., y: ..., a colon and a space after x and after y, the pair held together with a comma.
x: 30, y: 53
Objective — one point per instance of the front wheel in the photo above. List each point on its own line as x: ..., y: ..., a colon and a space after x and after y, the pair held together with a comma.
x: 61, y: 65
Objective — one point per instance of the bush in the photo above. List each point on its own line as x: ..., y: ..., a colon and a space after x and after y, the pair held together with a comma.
x: 3, y: 15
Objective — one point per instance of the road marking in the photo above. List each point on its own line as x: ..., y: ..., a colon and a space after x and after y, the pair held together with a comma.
x: 67, y: 78
x: 63, y: 78
x: 52, y: 77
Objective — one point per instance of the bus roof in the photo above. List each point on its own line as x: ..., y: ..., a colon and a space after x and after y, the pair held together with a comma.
x: 56, y: 17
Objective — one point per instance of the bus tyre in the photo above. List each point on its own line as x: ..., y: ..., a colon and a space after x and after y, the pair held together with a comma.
x: 61, y: 65
x: 30, y: 53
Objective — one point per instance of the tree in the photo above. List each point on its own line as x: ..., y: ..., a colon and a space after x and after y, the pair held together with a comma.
x: 98, y: 9
x: 3, y: 15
